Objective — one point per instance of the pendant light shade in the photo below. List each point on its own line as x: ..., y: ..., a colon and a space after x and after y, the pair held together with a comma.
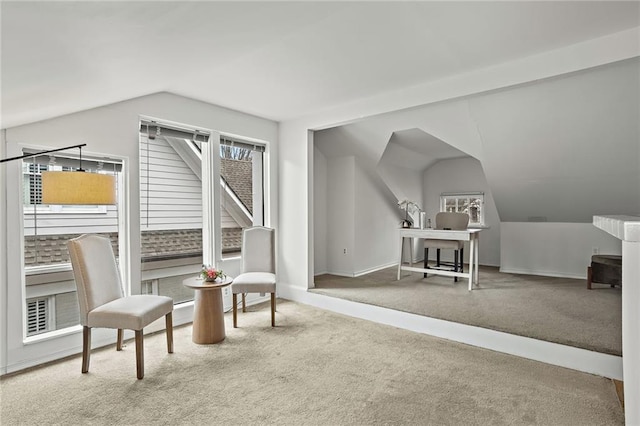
x: 78, y: 187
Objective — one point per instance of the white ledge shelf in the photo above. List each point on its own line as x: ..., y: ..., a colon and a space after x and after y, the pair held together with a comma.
x: 623, y: 227
x: 627, y: 229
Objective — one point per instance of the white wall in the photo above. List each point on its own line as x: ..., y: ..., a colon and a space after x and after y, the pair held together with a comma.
x: 376, y: 222
x: 341, y: 213
x: 553, y: 249
x: 3, y: 259
x: 113, y: 129
x: 320, y: 208
x: 464, y: 175
x: 354, y: 212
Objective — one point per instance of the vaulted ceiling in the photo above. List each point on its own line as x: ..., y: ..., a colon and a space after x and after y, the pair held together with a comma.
x: 278, y: 60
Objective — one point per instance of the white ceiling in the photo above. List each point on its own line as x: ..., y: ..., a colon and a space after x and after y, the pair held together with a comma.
x: 277, y: 60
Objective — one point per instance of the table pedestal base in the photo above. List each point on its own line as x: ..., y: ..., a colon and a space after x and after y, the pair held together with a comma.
x: 208, y: 322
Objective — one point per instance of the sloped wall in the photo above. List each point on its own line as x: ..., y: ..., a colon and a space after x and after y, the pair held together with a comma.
x: 564, y: 149
x: 465, y: 175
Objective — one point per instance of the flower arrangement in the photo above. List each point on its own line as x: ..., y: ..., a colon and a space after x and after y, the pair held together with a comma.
x: 408, y: 207
x: 210, y: 273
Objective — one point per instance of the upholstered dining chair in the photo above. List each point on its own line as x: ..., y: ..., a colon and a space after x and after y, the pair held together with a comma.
x: 258, y: 273
x: 103, y: 304
x: 453, y: 221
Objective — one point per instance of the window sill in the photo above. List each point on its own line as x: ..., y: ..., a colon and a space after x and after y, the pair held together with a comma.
x: 47, y: 269
x: 54, y: 334
x: 479, y: 227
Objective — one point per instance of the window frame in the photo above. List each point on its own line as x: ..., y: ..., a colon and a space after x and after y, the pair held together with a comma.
x: 258, y: 176
x: 468, y: 196
x: 23, y: 347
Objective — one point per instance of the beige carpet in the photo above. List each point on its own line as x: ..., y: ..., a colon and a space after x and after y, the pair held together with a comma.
x: 314, y: 368
x: 559, y: 310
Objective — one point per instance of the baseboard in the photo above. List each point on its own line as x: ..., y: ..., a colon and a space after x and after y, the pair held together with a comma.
x: 388, y: 265
x: 341, y: 274
x: 359, y: 273
x: 374, y: 269
x: 600, y: 364
x: 554, y: 274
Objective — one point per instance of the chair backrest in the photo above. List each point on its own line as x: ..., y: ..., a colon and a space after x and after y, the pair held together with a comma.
x: 451, y: 220
x: 95, y: 271
x: 258, y: 250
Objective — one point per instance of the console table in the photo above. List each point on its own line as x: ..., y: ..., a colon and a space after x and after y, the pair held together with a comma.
x: 471, y: 235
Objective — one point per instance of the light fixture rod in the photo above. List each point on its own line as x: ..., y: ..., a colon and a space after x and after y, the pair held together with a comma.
x: 35, y: 154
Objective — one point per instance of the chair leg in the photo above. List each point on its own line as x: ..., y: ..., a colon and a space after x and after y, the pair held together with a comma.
x: 589, y: 276
x: 244, y: 306
x: 438, y: 258
x: 462, y: 259
x: 139, y: 354
x: 86, y: 348
x: 169, y: 327
x: 455, y: 264
x: 426, y: 261
x: 235, y: 310
x: 119, y: 340
x: 273, y: 309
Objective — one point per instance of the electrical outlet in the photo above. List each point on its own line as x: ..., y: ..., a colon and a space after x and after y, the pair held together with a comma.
x: 344, y: 251
x: 595, y: 250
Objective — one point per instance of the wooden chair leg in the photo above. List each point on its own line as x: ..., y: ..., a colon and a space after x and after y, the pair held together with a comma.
x: 86, y: 348
x: 244, y: 306
x: 169, y: 327
x: 235, y: 310
x: 589, y: 276
x: 438, y: 258
x: 119, y: 339
x: 139, y: 354
x: 273, y: 309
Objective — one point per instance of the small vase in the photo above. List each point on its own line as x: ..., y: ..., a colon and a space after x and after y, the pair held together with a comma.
x: 210, y: 280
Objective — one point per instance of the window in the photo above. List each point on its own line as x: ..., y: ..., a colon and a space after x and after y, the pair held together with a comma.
x: 192, y: 208
x: 171, y: 208
x: 32, y: 182
x: 241, y: 195
x: 50, y: 293
x: 471, y: 203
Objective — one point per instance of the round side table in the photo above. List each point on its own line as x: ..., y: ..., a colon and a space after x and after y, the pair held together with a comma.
x: 208, y: 314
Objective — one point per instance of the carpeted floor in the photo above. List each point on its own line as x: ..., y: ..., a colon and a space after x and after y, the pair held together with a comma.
x: 559, y: 310
x: 314, y: 368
